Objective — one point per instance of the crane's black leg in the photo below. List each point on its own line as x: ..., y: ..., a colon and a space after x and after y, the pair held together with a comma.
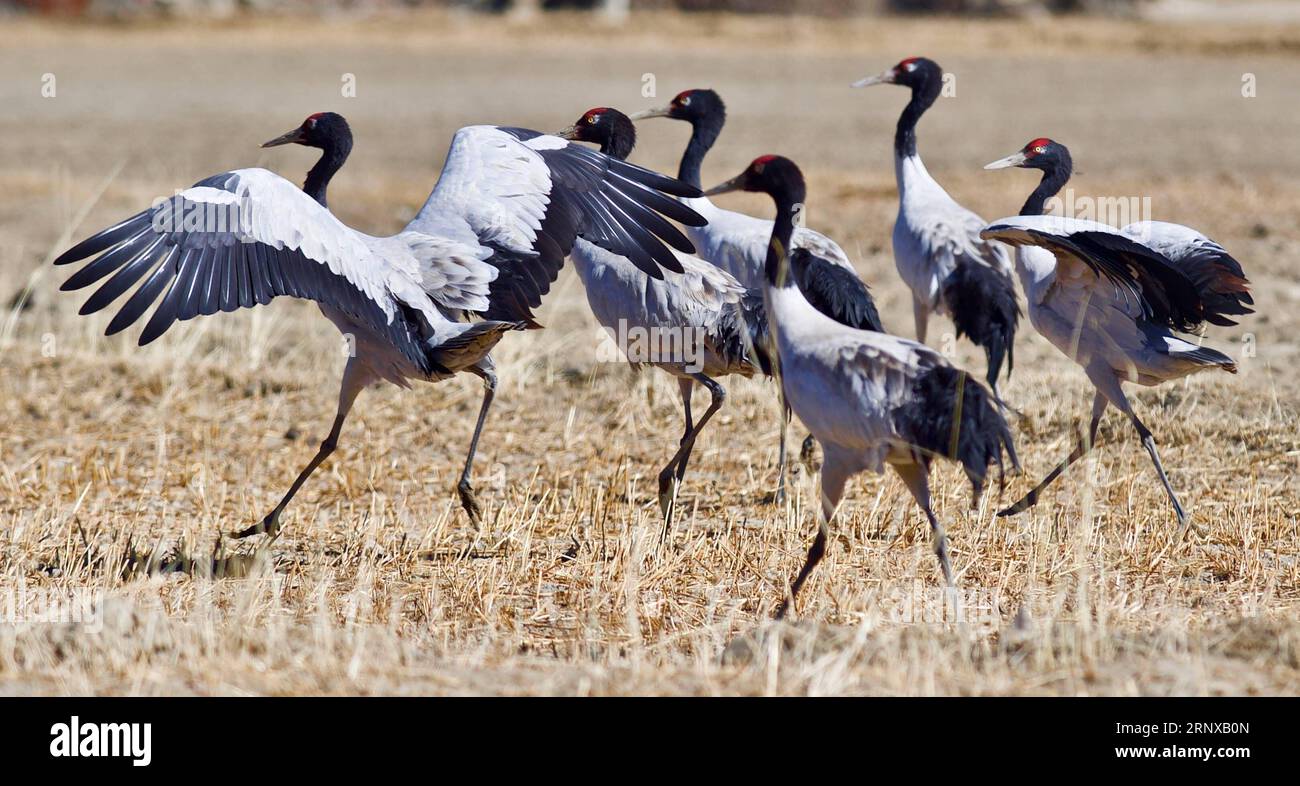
x: 915, y: 476
x: 485, y: 370
x: 786, y: 414
x: 1121, y: 403
x: 354, y: 381
x: 1149, y: 443
x: 667, y: 487
x: 834, y: 476
x: 1099, y: 402
x: 1004, y: 408
x: 687, y: 388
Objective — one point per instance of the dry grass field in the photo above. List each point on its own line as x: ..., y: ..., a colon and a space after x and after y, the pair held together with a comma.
x: 120, y: 467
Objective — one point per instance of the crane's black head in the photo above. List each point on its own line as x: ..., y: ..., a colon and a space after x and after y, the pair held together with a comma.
x: 609, y: 128
x: 776, y: 176
x: 694, y: 106
x: 1050, y: 157
x: 780, y: 179
x: 325, y: 130
x: 919, y: 73
x: 1041, y: 153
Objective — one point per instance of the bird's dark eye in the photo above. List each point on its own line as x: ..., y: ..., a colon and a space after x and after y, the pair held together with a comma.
x: 591, y: 119
x: 686, y: 101
x: 1040, y: 149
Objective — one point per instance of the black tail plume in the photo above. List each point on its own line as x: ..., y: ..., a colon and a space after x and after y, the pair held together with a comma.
x: 982, y: 303
x: 949, y: 414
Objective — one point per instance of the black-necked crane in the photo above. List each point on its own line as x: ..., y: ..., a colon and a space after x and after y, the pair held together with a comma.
x: 488, y: 241
x: 737, y: 242
x: 937, y: 246
x: 701, y: 322
x: 869, y: 398
x: 1114, y: 300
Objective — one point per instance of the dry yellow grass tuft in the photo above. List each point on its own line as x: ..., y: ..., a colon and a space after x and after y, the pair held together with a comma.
x: 121, y: 467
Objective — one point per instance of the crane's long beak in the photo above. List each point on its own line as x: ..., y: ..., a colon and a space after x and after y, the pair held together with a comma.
x: 294, y: 136
x: 736, y: 183
x: 567, y: 133
x: 661, y: 111
x: 1015, y: 159
x: 883, y: 78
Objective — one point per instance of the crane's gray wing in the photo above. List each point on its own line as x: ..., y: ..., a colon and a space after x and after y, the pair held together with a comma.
x: 237, y: 240
x: 528, y: 196
x: 1162, y: 292
x: 1215, y: 273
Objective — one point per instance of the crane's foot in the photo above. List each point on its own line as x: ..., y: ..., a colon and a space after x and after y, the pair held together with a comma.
x: 469, y: 502
x: 1183, y: 519
x: 268, y: 526
x: 1027, y: 502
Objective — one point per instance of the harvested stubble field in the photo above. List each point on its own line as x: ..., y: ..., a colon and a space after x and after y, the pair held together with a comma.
x: 121, y: 467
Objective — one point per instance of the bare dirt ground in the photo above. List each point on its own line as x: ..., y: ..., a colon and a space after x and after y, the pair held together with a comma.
x: 112, y: 456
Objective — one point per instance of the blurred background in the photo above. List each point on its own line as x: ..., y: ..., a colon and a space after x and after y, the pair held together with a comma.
x: 620, y: 9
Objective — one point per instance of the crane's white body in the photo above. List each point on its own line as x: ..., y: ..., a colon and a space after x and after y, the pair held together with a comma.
x: 932, y: 232
x: 688, y: 306
x: 737, y: 242
x: 845, y: 383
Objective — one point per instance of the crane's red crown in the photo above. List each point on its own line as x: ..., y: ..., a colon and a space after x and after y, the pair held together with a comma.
x: 1036, y: 146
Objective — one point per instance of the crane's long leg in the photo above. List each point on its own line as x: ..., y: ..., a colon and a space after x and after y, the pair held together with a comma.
x: 484, y: 370
x: 686, y: 386
x: 1121, y: 403
x: 1084, y: 445
x: 355, y: 379
x: 834, y: 475
x: 667, y: 490
x: 1004, y: 408
x: 916, y: 478
x: 786, y: 414
x: 921, y: 316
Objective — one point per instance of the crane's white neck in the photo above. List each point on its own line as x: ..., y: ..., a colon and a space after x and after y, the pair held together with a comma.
x: 915, y: 184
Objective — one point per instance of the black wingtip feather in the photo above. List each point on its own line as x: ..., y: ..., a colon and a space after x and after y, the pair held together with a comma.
x: 105, y: 239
